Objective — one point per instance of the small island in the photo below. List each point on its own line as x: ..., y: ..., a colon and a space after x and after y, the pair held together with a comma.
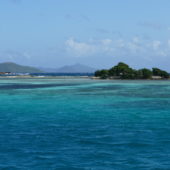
x: 123, y: 71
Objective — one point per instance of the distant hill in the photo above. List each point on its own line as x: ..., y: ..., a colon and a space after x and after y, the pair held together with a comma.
x: 76, y: 68
x: 16, y: 68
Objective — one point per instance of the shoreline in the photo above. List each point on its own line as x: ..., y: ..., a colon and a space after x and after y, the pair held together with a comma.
x: 71, y: 77
x: 44, y: 77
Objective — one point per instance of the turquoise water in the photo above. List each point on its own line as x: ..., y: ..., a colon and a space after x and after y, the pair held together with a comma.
x: 50, y: 124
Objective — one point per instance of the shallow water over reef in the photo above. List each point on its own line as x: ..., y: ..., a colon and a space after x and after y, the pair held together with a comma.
x: 84, y: 124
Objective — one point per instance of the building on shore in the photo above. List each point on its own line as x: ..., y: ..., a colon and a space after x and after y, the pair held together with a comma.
x: 5, y: 73
x: 156, y: 77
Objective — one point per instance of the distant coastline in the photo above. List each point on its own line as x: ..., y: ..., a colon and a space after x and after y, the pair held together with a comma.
x: 119, y: 72
x: 46, y: 75
x: 71, y: 77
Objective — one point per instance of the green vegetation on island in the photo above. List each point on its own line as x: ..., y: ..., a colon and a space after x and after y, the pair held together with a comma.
x: 16, y: 68
x: 123, y: 71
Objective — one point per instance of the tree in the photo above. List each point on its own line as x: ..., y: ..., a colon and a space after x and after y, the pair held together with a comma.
x: 97, y: 73
x: 102, y: 73
x: 145, y: 73
x: 164, y: 74
x: 156, y: 72
x: 159, y: 72
x: 123, y: 71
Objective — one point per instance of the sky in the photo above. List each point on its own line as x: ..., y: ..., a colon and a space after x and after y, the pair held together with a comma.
x: 97, y: 33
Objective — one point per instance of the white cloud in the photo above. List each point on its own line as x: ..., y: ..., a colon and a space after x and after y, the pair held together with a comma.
x: 79, y: 48
x: 156, y: 44
x: 136, y: 40
x: 139, y: 48
x: 92, y: 47
x: 106, y: 41
x: 120, y: 43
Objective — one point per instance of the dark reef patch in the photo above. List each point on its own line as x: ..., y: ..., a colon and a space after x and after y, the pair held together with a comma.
x: 32, y: 86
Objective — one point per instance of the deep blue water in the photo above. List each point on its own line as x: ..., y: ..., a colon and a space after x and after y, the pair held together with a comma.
x: 49, y: 124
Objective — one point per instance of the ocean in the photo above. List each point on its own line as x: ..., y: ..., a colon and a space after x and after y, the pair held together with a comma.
x: 83, y: 124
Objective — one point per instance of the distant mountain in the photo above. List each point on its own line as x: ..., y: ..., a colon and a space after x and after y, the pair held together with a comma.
x: 76, y: 68
x: 48, y: 70
x: 16, y: 68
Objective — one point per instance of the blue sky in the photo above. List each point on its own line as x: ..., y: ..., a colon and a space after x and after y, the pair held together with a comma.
x: 98, y: 33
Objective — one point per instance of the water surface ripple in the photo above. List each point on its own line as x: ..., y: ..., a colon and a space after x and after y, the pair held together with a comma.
x: 84, y: 124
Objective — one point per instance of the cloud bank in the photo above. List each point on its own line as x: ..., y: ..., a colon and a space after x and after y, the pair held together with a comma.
x: 120, y: 47
x: 136, y: 51
x: 105, y: 52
